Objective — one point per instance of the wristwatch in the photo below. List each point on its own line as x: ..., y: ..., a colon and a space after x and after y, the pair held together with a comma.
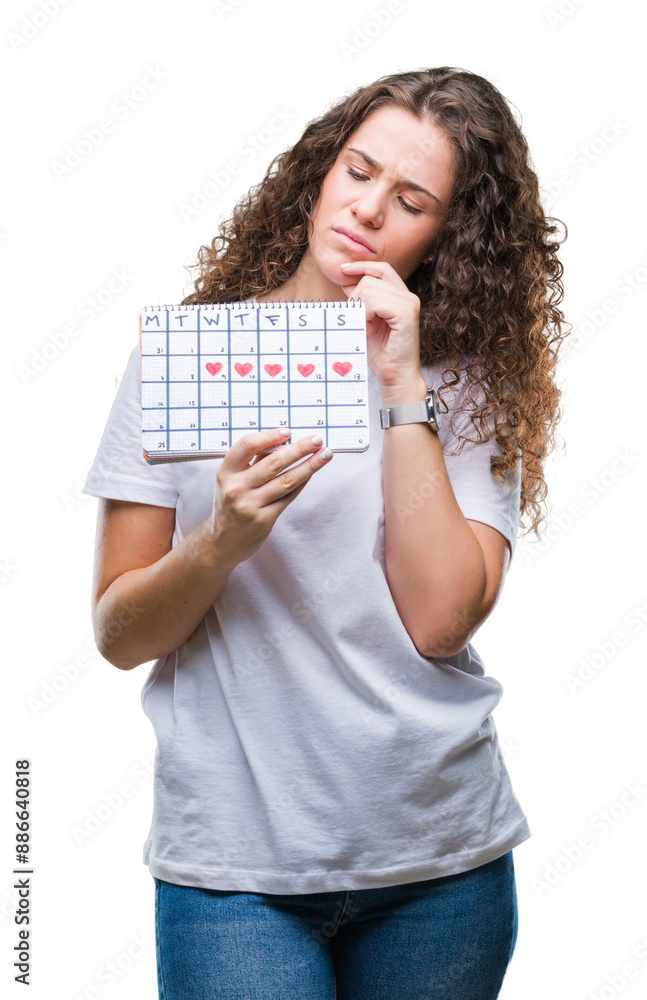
x: 424, y: 411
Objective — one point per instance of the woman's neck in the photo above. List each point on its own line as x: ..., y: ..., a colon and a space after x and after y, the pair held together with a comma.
x: 307, y: 283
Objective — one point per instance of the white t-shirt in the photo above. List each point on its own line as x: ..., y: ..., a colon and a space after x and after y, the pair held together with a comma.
x: 303, y: 743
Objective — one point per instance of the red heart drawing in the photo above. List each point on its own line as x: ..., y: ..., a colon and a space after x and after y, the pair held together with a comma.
x: 213, y: 369
x: 273, y: 369
x: 342, y: 367
x: 305, y: 370
x: 244, y: 368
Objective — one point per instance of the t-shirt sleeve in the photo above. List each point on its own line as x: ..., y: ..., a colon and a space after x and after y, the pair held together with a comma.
x: 120, y: 471
x: 480, y: 495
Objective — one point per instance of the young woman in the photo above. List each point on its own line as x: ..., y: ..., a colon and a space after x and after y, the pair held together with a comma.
x: 333, y: 816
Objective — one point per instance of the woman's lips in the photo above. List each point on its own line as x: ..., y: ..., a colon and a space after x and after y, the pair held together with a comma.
x: 353, y: 244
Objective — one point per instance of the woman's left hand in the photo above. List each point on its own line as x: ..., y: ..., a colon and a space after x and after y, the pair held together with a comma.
x: 392, y: 321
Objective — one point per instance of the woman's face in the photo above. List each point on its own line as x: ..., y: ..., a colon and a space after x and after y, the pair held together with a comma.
x: 390, y: 188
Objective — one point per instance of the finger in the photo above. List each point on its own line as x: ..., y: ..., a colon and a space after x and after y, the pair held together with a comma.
x: 243, y: 451
x: 276, y: 467
x: 289, y: 483
x: 280, y: 503
x: 374, y: 268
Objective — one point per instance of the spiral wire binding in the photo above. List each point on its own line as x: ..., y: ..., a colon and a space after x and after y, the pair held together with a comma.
x: 247, y: 304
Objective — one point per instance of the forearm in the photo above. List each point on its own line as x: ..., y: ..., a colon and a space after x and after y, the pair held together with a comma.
x: 150, y: 611
x: 435, y: 565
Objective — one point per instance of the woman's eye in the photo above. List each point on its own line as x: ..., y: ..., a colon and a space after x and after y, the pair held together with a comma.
x: 406, y: 207
x: 409, y: 208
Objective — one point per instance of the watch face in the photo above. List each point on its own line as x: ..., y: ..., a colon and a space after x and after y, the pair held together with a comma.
x: 432, y: 407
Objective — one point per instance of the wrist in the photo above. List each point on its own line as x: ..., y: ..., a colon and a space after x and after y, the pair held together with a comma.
x: 212, y: 551
x: 410, y: 391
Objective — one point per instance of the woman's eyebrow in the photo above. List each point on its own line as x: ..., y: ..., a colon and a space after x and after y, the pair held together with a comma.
x: 377, y: 166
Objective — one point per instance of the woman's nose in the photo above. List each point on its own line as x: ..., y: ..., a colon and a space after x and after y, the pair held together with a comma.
x: 369, y: 208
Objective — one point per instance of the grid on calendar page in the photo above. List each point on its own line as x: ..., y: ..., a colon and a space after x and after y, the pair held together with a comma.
x: 212, y: 373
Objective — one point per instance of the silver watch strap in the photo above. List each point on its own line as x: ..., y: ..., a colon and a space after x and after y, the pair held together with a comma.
x: 405, y: 413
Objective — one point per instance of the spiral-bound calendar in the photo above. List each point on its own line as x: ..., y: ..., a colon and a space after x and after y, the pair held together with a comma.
x: 212, y: 373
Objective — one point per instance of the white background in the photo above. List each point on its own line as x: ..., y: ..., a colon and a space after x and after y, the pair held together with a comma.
x: 569, y: 600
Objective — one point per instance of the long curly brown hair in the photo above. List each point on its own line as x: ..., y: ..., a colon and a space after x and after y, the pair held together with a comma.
x: 489, y: 296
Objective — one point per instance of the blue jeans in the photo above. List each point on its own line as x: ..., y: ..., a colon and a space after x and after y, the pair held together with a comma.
x: 448, y: 938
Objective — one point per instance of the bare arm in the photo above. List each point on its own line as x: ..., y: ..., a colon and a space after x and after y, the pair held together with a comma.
x: 445, y: 572
x: 149, y: 597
